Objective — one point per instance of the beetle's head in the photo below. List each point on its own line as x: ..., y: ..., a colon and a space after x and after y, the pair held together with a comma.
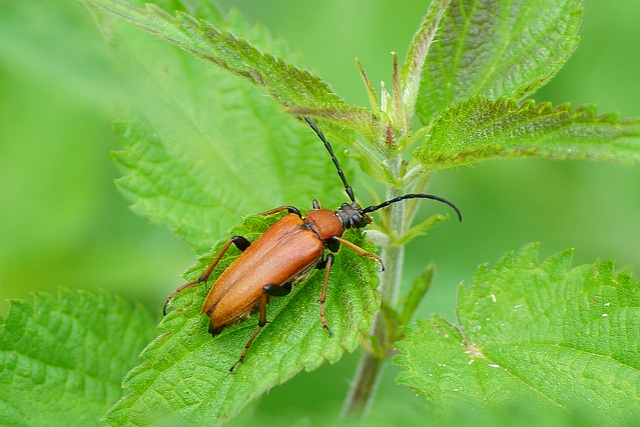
x: 353, y: 216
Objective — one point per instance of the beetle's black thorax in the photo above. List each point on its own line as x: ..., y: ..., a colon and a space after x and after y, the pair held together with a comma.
x: 352, y: 216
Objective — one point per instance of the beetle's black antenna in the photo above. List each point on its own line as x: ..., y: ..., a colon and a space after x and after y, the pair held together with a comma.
x: 347, y: 187
x: 414, y: 196
x: 349, y: 190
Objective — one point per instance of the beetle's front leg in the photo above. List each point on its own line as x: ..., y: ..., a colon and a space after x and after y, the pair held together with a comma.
x: 239, y: 241
x: 357, y: 249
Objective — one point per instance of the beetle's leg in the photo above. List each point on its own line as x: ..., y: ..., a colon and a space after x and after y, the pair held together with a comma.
x: 246, y: 349
x: 268, y: 290
x: 291, y: 209
x: 316, y: 204
x: 261, y: 322
x: 327, y: 263
x: 357, y: 249
x: 240, y: 242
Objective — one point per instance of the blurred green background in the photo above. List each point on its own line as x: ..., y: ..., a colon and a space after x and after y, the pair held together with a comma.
x: 63, y: 223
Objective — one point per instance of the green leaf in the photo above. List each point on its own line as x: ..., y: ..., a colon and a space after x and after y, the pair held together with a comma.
x: 185, y: 375
x: 417, y: 54
x: 62, y: 360
x: 202, y: 148
x: 288, y: 84
x: 419, y: 288
x: 496, y: 48
x: 420, y: 229
x: 546, y: 336
x: 214, y: 41
x: 352, y: 117
x: 480, y: 129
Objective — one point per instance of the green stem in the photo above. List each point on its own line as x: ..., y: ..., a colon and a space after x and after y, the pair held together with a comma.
x: 363, y: 388
x: 369, y: 369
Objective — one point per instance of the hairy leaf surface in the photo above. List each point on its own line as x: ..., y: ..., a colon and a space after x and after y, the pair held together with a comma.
x: 548, y: 336
x: 496, y: 48
x: 480, y: 129
x: 62, y: 359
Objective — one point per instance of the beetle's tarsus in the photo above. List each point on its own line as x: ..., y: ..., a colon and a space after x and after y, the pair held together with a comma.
x: 326, y: 328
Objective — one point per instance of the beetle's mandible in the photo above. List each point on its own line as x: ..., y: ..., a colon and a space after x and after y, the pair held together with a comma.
x: 283, y: 256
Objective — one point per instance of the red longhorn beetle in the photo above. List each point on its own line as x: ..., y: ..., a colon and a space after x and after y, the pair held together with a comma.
x: 284, y: 256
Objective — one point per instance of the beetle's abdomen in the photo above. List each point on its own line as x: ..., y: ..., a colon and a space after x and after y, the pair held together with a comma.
x: 282, y: 254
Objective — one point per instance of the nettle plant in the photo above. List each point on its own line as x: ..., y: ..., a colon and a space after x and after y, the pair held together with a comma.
x: 208, y: 141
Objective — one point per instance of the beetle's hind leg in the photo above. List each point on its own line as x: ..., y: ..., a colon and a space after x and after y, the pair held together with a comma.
x: 240, y: 243
x: 327, y: 263
x: 267, y: 291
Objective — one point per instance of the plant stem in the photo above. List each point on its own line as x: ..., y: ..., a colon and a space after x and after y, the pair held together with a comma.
x: 371, y: 363
x: 363, y: 388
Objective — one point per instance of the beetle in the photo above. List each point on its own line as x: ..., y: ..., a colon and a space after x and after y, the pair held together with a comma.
x: 283, y: 256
